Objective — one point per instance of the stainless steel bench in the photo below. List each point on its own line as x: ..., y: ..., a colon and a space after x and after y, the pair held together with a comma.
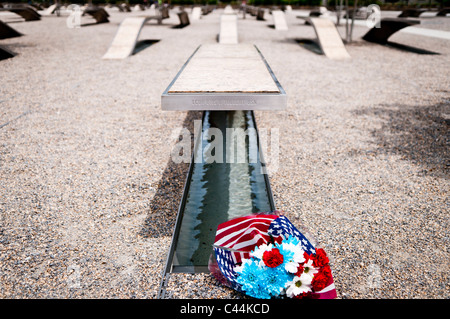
x: 225, y: 77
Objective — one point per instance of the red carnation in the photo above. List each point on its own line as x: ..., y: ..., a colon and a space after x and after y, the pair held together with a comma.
x: 326, y: 271
x: 272, y: 258
x: 321, y: 258
x: 319, y: 281
x: 322, y: 278
x: 300, y: 269
x: 307, y: 256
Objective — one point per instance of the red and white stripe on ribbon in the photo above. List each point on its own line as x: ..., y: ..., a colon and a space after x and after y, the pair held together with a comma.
x: 244, y: 234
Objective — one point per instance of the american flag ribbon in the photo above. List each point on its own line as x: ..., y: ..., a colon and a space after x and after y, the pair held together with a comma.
x: 241, y: 235
x: 236, y: 238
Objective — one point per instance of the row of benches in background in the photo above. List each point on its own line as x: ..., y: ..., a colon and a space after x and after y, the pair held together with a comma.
x: 100, y: 15
x: 415, y: 13
x: 25, y: 11
x: 29, y: 13
x: 257, y: 12
x: 363, y: 13
x: 377, y: 35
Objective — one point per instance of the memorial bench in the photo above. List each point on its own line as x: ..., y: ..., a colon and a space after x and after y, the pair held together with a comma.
x: 228, y: 10
x: 126, y: 38
x: 228, y: 33
x: 164, y: 11
x: 124, y: 7
x: 196, y: 13
x: 50, y: 10
x: 99, y: 14
x: 414, y: 13
x: 388, y: 26
x: 443, y: 12
x: 279, y: 20
x: 422, y: 13
x: 184, y: 19
x: 7, y: 32
x: 251, y: 10
x: 256, y: 12
x: 328, y: 37
x: 227, y: 82
x: 322, y: 11
x: 26, y: 12
x: 218, y: 74
x: 161, y: 14
x: 207, y: 9
x: 260, y: 14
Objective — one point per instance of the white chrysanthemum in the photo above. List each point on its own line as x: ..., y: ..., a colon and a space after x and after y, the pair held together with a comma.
x: 238, y: 269
x: 299, y: 285
x: 291, y: 267
x: 259, y: 251
x: 298, y: 256
x: 309, y: 270
x: 298, y: 252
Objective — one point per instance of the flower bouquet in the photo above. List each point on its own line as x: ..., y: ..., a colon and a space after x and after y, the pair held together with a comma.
x: 265, y: 256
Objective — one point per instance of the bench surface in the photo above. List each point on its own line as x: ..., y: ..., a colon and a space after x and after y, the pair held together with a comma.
x: 329, y: 39
x: 228, y: 29
x: 125, y: 39
x: 279, y: 20
x: 225, y: 77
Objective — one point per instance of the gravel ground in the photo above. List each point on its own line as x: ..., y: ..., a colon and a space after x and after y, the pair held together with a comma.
x: 89, y: 195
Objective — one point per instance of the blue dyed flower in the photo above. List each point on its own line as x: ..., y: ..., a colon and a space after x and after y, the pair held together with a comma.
x: 275, y: 279
x: 251, y: 278
x: 292, y: 240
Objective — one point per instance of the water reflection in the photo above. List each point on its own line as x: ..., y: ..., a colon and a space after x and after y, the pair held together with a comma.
x: 220, y: 187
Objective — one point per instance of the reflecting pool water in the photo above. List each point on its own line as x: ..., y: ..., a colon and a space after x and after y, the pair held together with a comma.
x: 226, y: 181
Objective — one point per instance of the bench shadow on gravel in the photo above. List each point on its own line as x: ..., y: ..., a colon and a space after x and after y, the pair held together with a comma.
x: 142, y: 45
x: 311, y: 45
x: 163, y: 210
x: 419, y: 134
x: 408, y: 48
